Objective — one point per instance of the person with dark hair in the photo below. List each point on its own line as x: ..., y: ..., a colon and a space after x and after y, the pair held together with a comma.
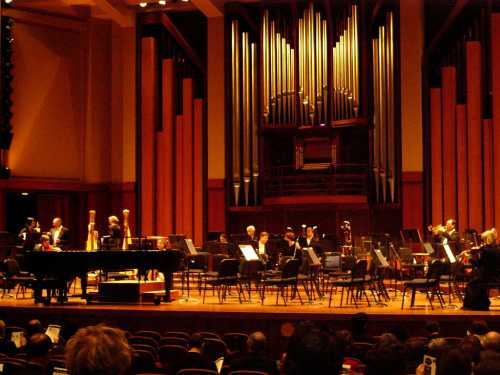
x: 433, y: 329
x: 98, y: 350
x: 29, y: 234
x: 387, y: 359
x: 194, y: 357
x: 400, y: 332
x: 454, y: 362
x: 38, y: 352
x: 6, y: 345
x: 488, y: 366
x: 471, y: 346
x: 415, y: 349
x: 478, y: 328
x: 256, y: 359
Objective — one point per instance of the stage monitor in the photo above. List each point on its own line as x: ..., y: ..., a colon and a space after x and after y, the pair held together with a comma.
x: 449, y: 253
x: 189, y: 246
x: 428, y: 248
x: 411, y: 235
x: 248, y: 252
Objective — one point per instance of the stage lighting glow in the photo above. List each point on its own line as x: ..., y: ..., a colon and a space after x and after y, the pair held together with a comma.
x: 8, y: 1
x: 143, y: 4
x: 162, y: 2
x: 185, y: 1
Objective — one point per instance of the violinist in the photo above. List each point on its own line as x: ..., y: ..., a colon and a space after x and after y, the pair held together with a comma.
x: 487, y: 270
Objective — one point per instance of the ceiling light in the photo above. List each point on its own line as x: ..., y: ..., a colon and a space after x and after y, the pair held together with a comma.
x: 185, y: 1
x: 162, y: 2
x: 7, y: 1
x: 143, y: 4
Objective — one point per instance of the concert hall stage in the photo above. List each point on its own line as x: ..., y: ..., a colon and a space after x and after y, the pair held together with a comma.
x: 193, y: 315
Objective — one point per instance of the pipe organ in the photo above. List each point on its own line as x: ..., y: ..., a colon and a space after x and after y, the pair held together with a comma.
x: 384, y: 112
x: 298, y: 101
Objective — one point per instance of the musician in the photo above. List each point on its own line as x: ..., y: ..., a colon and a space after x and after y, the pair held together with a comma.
x: 115, y: 232
x: 293, y: 248
x: 30, y: 234
x: 45, y: 244
x: 452, y: 235
x: 487, y: 263
x: 251, y: 233
x: 261, y: 247
x: 59, y: 234
x: 310, y: 239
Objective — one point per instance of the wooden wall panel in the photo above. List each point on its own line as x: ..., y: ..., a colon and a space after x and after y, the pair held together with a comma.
x: 187, y: 170
x: 198, y: 172
x: 148, y: 121
x: 216, y: 205
x: 165, y: 150
x: 179, y: 180
x: 462, y: 177
x: 436, y: 156
x: 413, y: 213
x: 449, y: 101
x: 488, y: 173
x: 474, y: 136
x: 495, y: 68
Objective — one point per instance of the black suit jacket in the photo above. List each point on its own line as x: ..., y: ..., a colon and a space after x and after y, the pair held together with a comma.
x: 63, y: 237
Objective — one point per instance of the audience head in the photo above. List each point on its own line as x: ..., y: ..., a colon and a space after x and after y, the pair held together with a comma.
x: 195, y: 343
x: 437, y: 347
x: 251, y: 231
x: 263, y: 237
x: 433, y: 328
x: 478, y: 327
x: 2, y: 329
x: 399, y: 332
x: 471, y: 346
x: 256, y: 342
x: 30, y: 222
x: 488, y: 366
x: 34, y: 326
x: 454, y: 362
x: 386, y: 359
x: 98, y: 350
x: 39, y: 345
x: 491, y: 341
x: 489, y: 237
x: 223, y: 238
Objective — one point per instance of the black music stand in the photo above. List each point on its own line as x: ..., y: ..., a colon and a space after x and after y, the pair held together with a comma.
x: 187, y: 245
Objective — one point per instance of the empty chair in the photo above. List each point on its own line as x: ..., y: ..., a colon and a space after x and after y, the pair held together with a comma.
x: 287, y: 278
x: 143, y: 340
x: 174, y: 341
x: 153, y: 334
x: 226, y: 276
x: 429, y: 284
x: 214, y: 349
x: 169, y: 354
x: 180, y: 334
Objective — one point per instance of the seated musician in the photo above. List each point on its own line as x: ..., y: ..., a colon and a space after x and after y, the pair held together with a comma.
x: 115, y: 232
x: 30, y: 234
x: 45, y: 245
x: 309, y: 239
x: 452, y: 235
x: 293, y: 249
x: 251, y: 233
x: 261, y: 247
x: 487, y: 270
x: 59, y: 234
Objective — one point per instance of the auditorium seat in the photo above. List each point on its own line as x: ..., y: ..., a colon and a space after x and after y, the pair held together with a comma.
x: 236, y: 341
x: 208, y: 335
x: 173, y: 341
x: 169, y: 354
x: 147, y: 348
x: 180, y: 334
x: 143, y: 340
x: 153, y: 334
x: 214, y: 349
x: 143, y: 360
x: 247, y: 372
x: 196, y: 371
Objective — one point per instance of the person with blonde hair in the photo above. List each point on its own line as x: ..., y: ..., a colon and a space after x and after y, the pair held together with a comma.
x: 489, y: 237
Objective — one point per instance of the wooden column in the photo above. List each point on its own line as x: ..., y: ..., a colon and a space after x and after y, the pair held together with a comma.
x: 164, y: 164
x: 474, y: 134
x: 187, y: 170
x: 148, y: 123
x: 179, y: 180
x: 436, y: 156
x: 198, y: 212
x: 462, y: 178
x: 449, y: 136
x: 495, y: 68
x: 488, y: 173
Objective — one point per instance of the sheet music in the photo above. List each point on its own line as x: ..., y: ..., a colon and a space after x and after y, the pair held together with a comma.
x: 381, y: 258
x: 53, y: 332
x: 314, y: 258
x: 17, y: 338
x: 449, y: 253
x: 248, y: 252
x: 190, y: 246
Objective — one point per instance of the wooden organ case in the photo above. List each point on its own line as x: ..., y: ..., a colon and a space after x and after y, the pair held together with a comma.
x: 312, y: 115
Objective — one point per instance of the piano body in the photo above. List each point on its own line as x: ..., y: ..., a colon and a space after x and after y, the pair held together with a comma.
x: 62, y: 266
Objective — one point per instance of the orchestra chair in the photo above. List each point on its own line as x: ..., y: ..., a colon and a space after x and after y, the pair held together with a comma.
x: 13, y: 277
x: 168, y: 354
x: 376, y: 282
x: 227, y: 276
x: 251, y: 271
x: 429, y: 284
x: 355, y: 284
x: 194, y: 266
x: 287, y: 279
x: 450, y: 279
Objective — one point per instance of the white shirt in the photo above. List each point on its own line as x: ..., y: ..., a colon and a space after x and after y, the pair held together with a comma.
x: 57, y: 233
x: 262, y: 248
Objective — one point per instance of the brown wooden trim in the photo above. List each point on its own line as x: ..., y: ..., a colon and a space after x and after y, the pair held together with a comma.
x: 412, y: 177
x: 317, y: 199
x: 43, y: 19
x: 215, y: 183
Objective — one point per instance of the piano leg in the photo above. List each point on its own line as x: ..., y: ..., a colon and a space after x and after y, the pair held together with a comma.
x: 83, y: 280
x: 168, y: 285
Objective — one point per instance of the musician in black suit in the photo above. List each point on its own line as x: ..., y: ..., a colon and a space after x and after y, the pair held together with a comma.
x: 452, y: 235
x: 30, y: 234
x: 293, y: 248
x: 487, y: 270
x: 251, y: 236
x: 310, y: 239
x: 59, y: 234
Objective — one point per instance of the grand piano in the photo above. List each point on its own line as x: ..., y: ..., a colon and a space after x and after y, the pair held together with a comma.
x: 58, y: 268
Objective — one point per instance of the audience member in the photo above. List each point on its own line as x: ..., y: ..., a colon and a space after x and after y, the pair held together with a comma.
x: 359, y: 323
x: 491, y: 341
x: 6, y: 345
x: 98, y: 350
x: 34, y: 326
x: 454, y: 362
x: 38, y: 351
x: 194, y: 357
x: 433, y: 329
x: 387, y: 359
x: 478, y: 328
x: 256, y: 359
x: 472, y: 347
x: 487, y: 366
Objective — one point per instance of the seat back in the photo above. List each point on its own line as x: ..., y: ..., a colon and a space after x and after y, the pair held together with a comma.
x: 291, y: 269
x: 11, y: 267
x: 153, y: 334
x: 169, y: 354
x: 174, y: 341
x: 236, y: 341
x: 143, y: 361
x: 180, y: 334
x: 144, y: 340
x: 251, y: 268
x: 197, y: 371
x: 435, y: 270
x: 214, y: 349
x: 360, y: 269
x: 229, y: 268
x: 208, y: 335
